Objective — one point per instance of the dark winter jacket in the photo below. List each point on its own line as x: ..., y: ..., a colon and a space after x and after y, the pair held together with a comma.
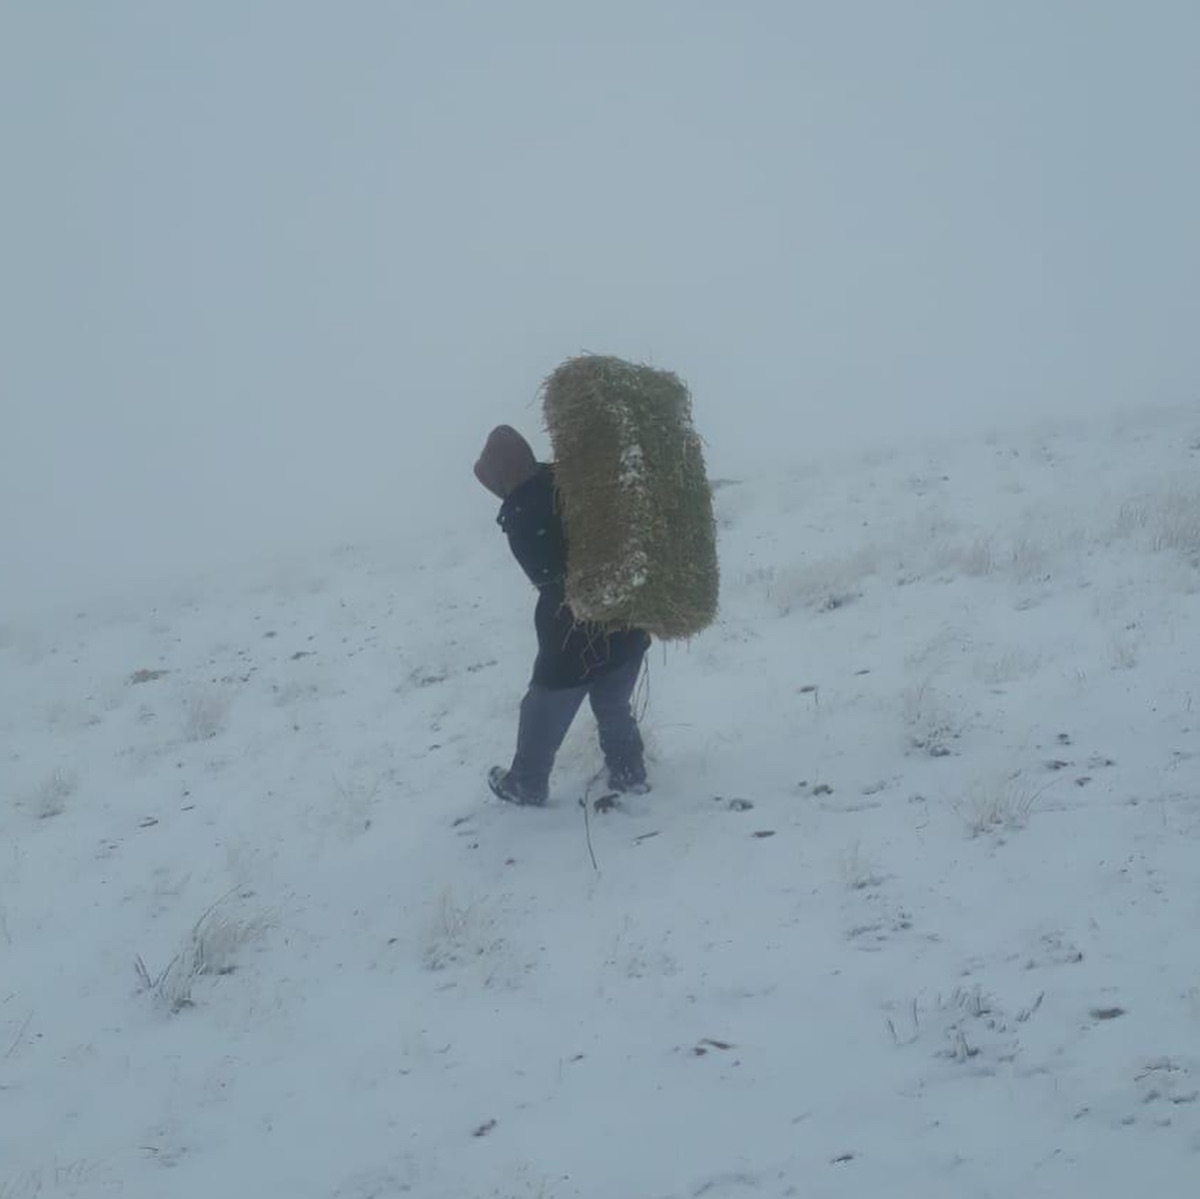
x: 570, y: 653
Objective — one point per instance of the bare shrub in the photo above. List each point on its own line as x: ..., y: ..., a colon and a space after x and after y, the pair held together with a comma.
x: 1027, y: 559
x: 634, y: 957
x: 979, y: 558
x: 929, y: 720
x: 976, y: 558
x: 857, y: 872
x: 1008, y: 667
x: 204, y: 714
x: 49, y: 797
x: 761, y: 578
x: 58, y: 1178
x: 462, y: 933
x: 1123, y: 651
x: 1133, y: 517
x: 210, y: 949
x: 455, y: 932
x: 998, y: 803
x: 356, y: 801
x: 1176, y: 524
x: 826, y: 583
x: 1166, y: 522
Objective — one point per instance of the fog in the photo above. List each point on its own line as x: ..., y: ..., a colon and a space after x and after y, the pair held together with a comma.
x: 269, y: 271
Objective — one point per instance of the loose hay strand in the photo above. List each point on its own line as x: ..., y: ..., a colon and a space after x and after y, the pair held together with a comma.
x: 635, y: 497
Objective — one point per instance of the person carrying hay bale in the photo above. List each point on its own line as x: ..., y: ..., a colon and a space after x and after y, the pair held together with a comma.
x: 576, y: 660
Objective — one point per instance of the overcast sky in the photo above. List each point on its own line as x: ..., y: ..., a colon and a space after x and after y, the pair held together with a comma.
x: 270, y: 270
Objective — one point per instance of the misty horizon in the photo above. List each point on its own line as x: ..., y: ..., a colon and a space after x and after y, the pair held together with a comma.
x: 271, y: 272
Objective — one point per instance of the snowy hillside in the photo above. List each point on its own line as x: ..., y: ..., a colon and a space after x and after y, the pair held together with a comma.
x: 912, y: 909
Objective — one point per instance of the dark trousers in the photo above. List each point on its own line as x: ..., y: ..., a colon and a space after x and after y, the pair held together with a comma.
x: 546, y: 717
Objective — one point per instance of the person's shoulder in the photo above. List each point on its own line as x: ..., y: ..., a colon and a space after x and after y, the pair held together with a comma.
x: 539, y: 485
x: 536, y: 493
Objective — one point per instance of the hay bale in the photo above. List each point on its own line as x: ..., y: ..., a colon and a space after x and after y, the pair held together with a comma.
x: 635, y: 497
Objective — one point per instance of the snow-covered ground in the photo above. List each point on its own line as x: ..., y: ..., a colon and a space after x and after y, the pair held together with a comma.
x: 912, y: 909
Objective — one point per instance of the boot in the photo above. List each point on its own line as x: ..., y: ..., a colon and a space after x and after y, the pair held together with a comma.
x: 505, y: 787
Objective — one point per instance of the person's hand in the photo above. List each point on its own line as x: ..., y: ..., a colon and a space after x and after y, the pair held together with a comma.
x: 507, y: 461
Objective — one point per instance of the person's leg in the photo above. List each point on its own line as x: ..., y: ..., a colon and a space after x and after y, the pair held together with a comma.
x: 546, y: 716
x: 611, y: 698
